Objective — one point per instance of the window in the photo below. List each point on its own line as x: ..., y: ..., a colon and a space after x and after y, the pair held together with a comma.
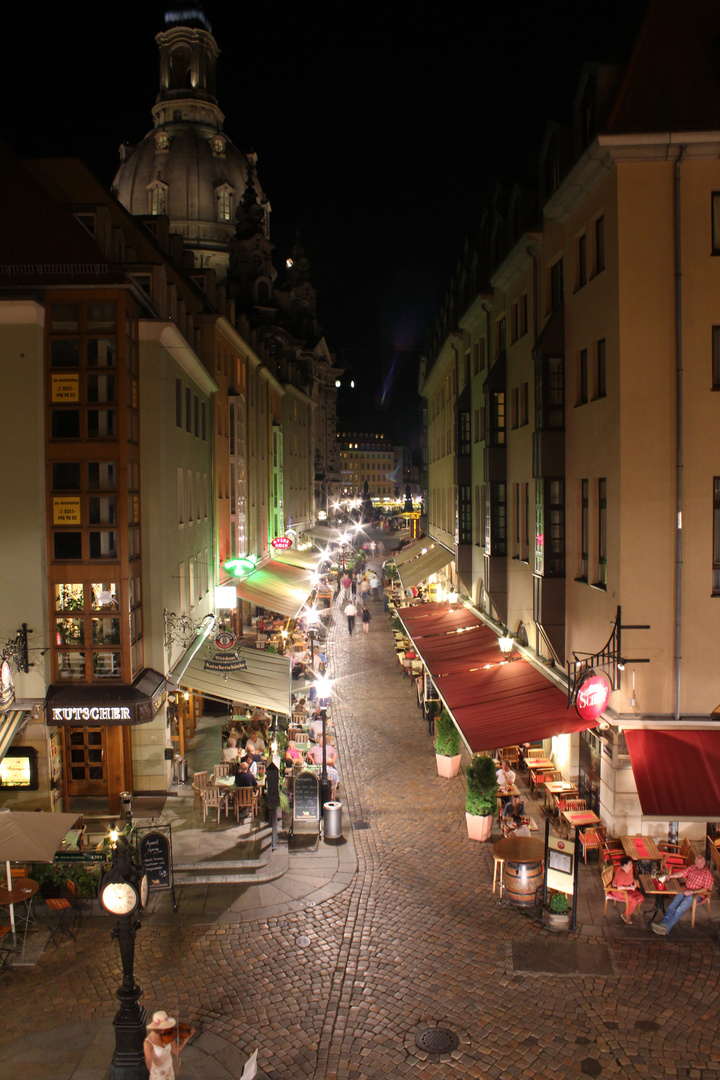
x: 496, y: 520
x: 602, y: 533
x: 496, y: 433
x: 556, y: 285
x: 525, y: 551
x: 188, y: 409
x: 523, y: 418
x: 716, y: 537
x: 522, y: 315
x: 224, y: 204
x: 178, y: 403
x: 513, y: 323
x: 601, y: 380
x: 599, y: 244
x: 477, y: 425
x: 550, y: 528
x: 157, y: 198
x: 584, y: 529
x: 583, y: 377
x: 516, y: 537
x: 581, y: 258
x: 549, y: 393
x: 500, y: 336
x: 197, y: 416
x: 464, y: 515
x: 180, y: 496
x: 716, y: 357
x: 716, y: 222
x: 514, y: 406
x: 464, y: 433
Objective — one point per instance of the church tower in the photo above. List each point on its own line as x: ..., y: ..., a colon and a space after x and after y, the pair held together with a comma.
x: 186, y: 167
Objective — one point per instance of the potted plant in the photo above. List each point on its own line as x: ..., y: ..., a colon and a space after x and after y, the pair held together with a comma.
x: 481, y: 797
x: 556, y: 916
x: 447, y: 745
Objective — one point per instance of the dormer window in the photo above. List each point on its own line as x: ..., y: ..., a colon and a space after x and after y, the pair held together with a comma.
x: 225, y: 196
x: 157, y: 197
x: 162, y: 143
x: 218, y: 144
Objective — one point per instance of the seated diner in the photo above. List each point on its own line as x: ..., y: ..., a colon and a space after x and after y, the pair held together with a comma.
x: 624, y: 883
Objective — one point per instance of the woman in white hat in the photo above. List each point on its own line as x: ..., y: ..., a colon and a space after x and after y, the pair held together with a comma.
x: 158, y: 1053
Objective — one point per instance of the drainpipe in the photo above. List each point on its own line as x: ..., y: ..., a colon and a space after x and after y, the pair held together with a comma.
x: 679, y: 431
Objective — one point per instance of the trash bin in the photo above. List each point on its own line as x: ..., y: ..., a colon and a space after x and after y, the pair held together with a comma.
x: 126, y: 805
x: 333, y: 820
x: 182, y: 771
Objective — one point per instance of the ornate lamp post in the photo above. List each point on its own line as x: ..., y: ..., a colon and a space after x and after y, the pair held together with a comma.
x: 123, y: 892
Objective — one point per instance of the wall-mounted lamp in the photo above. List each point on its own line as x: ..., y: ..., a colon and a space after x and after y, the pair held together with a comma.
x: 505, y: 641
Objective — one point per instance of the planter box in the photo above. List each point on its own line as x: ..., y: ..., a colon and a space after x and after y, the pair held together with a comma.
x: 555, y: 921
x: 448, y: 766
x: 479, y: 828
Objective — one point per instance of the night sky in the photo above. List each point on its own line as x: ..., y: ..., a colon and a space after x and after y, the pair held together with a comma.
x: 379, y: 130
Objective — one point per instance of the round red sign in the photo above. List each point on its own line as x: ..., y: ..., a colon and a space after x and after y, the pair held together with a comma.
x: 592, y: 696
x: 281, y: 542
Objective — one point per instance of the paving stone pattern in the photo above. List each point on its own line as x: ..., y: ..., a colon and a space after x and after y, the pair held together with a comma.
x: 415, y: 940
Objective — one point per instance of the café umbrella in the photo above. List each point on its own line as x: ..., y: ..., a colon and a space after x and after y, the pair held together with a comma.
x: 30, y: 837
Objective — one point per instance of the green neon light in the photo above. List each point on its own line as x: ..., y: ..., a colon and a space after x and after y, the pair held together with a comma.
x: 240, y: 567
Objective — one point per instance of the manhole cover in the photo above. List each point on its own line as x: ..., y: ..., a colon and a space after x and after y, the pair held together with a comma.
x: 357, y: 825
x: 437, y: 1041
x: 302, y: 941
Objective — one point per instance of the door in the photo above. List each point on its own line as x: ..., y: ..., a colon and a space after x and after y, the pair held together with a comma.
x: 86, y: 762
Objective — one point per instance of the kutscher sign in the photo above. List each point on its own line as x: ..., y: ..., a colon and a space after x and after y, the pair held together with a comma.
x: 592, y: 696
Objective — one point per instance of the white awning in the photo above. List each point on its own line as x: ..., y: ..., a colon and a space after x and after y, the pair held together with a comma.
x: 247, y: 676
x: 415, y: 571
x: 277, y: 587
x: 306, y: 560
x: 324, y: 534
x: 412, y: 551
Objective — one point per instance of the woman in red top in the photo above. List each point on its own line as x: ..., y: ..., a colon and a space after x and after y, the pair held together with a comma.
x: 623, y: 885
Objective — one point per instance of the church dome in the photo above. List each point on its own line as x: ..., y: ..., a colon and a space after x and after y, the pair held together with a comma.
x: 186, y: 167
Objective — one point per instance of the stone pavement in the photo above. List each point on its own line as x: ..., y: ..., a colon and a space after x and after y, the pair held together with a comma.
x: 338, y: 988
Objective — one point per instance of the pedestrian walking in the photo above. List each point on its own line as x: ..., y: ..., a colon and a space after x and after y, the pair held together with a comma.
x: 375, y: 586
x: 346, y: 584
x: 366, y: 617
x: 350, y: 613
x: 353, y: 586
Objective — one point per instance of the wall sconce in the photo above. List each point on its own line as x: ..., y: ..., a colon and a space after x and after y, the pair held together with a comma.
x: 505, y: 641
x: 452, y: 597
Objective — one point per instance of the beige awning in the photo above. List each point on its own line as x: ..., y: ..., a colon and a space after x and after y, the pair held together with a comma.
x: 323, y: 534
x: 412, y: 551
x: 306, y: 560
x: 415, y: 571
x: 247, y: 676
x: 277, y: 587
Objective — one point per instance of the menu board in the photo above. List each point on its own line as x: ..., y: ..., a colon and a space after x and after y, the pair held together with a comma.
x: 306, y: 798
x: 155, y: 859
x: 560, y: 863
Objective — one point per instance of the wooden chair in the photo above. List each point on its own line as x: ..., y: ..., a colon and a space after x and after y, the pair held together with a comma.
x: 533, y: 753
x: 246, y: 797
x: 700, y: 898
x: 225, y: 769
x: 298, y: 719
x: 200, y: 781
x: 510, y: 754
x: 66, y: 912
x: 210, y: 801
x: 576, y: 804
x: 612, y: 854
x: 296, y: 734
x: 7, y: 947
x: 675, y: 855
x: 671, y: 863
x: 607, y: 878
x: 592, y: 840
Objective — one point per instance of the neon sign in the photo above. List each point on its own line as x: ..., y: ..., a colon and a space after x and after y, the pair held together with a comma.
x: 240, y: 567
x: 592, y: 696
x: 282, y: 542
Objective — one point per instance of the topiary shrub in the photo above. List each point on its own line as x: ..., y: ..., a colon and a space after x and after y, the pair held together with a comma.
x: 447, y: 736
x: 482, y: 786
x: 558, y: 903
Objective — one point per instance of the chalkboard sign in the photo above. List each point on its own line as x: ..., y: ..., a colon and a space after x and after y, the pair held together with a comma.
x: 306, y: 798
x: 155, y: 858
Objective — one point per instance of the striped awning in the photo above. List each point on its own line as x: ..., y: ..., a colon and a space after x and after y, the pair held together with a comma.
x: 411, y: 551
x: 11, y: 723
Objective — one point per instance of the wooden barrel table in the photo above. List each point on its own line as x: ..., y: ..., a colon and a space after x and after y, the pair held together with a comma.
x: 523, y: 876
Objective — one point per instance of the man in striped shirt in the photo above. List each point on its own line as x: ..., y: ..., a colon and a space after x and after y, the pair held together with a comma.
x: 696, y: 877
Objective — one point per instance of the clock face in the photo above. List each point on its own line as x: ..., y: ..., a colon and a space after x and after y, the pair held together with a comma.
x: 119, y: 898
x: 144, y: 890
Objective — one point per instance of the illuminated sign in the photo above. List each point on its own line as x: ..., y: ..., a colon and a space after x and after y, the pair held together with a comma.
x: 240, y: 567
x: 592, y: 696
x: 66, y: 510
x: 116, y: 714
x: 225, y: 639
x: 19, y: 769
x: 282, y: 542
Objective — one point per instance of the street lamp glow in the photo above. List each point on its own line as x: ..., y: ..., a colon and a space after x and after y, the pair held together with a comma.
x: 312, y: 615
x: 337, y: 384
x: 323, y: 686
x: 505, y: 642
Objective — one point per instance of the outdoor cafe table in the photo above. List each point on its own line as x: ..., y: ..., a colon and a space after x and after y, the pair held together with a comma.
x: 523, y: 876
x: 559, y: 788
x: 580, y: 819
x: 650, y: 887
x: 641, y: 847
x: 22, y: 892
x: 505, y: 793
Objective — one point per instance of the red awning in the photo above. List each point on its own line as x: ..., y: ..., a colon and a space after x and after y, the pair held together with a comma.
x: 677, y: 772
x: 421, y: 611
x: 506, y: 704
x: 445, y: 622
x: 448, y: 653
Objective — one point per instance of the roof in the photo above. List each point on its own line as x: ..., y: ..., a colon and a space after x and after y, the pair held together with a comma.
x: 672, y: 80
x: 41, y: 240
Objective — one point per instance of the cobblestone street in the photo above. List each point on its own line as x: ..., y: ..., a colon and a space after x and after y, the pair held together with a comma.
x: 416, y: 940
